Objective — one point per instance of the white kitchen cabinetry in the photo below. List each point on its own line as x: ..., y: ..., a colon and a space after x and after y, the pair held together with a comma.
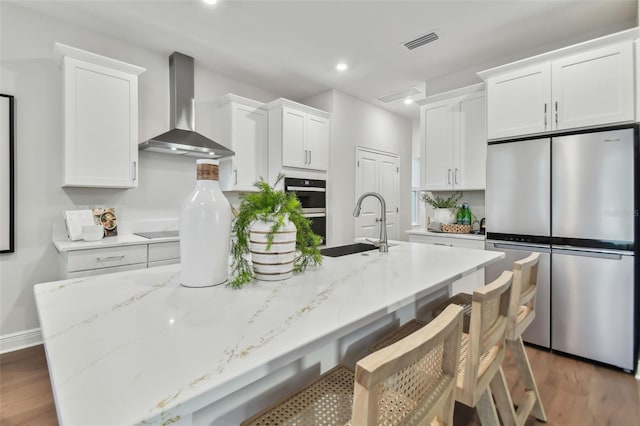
x: 163, y: 254
x: 98, y: 261
x: 589, y: 88
x: 244, y: 130
x: 100, y: 119
x: 468, y: 283
x: 298, y: 136
x: 453, y: 145
x: 82, y: 263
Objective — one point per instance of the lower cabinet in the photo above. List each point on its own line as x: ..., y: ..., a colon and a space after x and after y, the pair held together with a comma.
x: 466, y: 284
x: 163, y: 254
x: 97, y: 261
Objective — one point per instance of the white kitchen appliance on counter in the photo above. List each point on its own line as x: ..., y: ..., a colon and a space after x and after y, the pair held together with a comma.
x: 571, y: 197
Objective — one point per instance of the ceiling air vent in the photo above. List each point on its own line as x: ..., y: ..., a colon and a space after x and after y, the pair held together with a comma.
x: 421, y: 41
x: 402, y: 94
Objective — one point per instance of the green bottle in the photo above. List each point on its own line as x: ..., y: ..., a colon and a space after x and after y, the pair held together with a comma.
x: 460, y: 215
x: 466, y: 219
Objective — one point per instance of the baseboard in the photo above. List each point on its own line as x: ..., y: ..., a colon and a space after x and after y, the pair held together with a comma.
x: 20, y: 340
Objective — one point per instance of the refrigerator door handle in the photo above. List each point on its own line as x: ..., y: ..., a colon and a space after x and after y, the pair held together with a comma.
x: 589, y: 253
x: 528, y: 247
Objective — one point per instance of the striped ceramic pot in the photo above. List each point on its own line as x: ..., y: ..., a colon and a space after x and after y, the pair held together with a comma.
x: 275, y: 262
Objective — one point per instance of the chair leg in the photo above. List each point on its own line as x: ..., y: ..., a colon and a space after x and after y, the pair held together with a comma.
x: 519, y: 355
x: 503, y: 398
x: 487, y: 410
x: 447, y: 409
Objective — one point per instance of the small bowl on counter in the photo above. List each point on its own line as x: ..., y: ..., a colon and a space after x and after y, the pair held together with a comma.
x: 92, y: 232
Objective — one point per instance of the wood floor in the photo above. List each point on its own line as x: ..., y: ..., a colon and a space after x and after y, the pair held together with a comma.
x: 573, y: 392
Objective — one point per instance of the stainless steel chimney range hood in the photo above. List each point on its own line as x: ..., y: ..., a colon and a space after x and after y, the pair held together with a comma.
x: 182, y: 139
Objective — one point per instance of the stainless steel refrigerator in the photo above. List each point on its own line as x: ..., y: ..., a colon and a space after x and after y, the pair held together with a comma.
x: 571, y: 197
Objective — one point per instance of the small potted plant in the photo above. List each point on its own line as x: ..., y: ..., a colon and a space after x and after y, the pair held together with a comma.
x: 444, y: 208
x: 270, y: 228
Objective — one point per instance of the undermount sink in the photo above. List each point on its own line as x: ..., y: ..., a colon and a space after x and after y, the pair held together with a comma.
x: 347, y: 249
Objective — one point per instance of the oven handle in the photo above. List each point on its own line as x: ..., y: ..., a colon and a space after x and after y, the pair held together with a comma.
x: 314, y: 215
x: 305, y: 188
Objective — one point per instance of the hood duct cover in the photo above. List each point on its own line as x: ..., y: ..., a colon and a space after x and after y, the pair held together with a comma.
x: 182, y: 139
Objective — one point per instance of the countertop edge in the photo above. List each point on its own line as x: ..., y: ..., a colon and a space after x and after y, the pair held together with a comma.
x: 118, y: 241
x: 424, y: 231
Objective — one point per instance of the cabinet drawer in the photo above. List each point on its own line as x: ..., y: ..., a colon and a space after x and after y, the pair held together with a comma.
x: 164, y: 251
x: 82, y: 260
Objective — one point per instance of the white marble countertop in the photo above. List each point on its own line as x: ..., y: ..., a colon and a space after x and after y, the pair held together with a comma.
x: 136, y: 347
x: 424, y: 231
x: 116, y: 241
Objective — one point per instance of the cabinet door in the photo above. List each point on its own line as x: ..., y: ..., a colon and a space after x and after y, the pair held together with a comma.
x: 294, y: 152
x: 470, y: 143
x: 519, y: 103
x: 250, y: 145
x: 595, y: 87
x: 437, y: 120
x: 317, y: 133
x: 100, y: 126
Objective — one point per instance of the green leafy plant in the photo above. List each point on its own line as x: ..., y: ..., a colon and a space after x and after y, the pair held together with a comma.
x: 269, y: 204
x: 438, y: 202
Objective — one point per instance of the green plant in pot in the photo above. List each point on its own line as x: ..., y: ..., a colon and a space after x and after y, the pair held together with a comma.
x: 445, y: 208
x: 270, y: 227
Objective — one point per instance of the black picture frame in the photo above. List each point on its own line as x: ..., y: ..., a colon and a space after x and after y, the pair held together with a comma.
x: 7, y: 195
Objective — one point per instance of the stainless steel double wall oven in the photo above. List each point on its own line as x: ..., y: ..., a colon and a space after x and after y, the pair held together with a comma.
x: 312, y: 194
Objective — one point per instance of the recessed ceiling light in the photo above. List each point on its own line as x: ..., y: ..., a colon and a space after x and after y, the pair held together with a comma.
x: 173, y: 148
x: 342, y: 66
x: 212, y: 2
x: 408, y: 101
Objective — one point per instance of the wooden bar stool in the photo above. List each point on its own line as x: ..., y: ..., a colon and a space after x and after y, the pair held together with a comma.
x: 410, y: 382
x: 521, y: 314
x: 480, y: 374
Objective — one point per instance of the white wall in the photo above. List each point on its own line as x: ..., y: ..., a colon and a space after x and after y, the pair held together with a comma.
x: 28, y: 72
x: 357, y: 123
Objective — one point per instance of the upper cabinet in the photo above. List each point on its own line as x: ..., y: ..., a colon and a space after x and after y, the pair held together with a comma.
x: 519, y: 102
x: 562, y: 90
x: 453, y: 140
x: 100, y: 97
x: 298, y: 136
x: 244, y: 129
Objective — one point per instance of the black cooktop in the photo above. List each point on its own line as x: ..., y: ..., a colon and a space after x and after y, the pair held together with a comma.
x: 157, y: 234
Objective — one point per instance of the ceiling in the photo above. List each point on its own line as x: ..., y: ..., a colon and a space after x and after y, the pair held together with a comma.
x: 291, y: 47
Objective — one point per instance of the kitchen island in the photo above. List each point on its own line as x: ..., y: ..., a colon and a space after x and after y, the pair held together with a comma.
x: 137, y: 348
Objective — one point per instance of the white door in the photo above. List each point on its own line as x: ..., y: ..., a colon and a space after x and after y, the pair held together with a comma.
x: 377, y: 172
x: 470, y: 143
x: 594, y: 87
x: 389, y: 186
x: 317, y: 142
x: 294, y: 153
x: 519, y: 102
x: 249, y: 141
x: 101, y: 148
x: 437, y: 152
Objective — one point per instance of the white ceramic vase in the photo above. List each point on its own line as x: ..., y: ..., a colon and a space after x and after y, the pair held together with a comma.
x: 274, y: 262
x: 205, y: 231
x: 444, y: 216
